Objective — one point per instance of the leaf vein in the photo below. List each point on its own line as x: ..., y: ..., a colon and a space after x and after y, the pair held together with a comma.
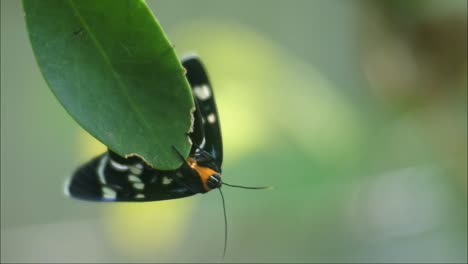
x: 117, y: 77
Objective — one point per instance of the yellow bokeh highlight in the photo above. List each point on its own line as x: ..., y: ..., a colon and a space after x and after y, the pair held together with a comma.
x: 138, y: 229
x: 88, y: 146
x: 239, y: 74
x: 264, y: 93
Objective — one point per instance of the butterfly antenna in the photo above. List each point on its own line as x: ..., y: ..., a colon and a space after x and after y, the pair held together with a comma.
x: 247, y: 187
x: 225, y: 224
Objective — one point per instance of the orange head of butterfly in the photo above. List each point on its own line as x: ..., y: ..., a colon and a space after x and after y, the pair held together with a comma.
x: 209, y: 176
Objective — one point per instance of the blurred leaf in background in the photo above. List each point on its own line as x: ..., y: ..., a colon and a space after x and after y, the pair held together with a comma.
x: 415, y: 56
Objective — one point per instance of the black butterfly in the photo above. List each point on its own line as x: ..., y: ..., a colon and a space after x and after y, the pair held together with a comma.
x: 111, y: 177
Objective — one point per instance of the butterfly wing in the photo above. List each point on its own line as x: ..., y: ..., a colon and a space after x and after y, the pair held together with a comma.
x: 197, y: 136
x: 206, y: 108
x: 110, y: 177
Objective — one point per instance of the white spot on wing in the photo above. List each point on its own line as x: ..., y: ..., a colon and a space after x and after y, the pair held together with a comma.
x: 180, y: 190
x: 140, y: 196
x: 133, y: 178
x: 203, y: 143
x: 66, y: 186
x: 202, y: 92
x: 118, y: 166
x: 166, y: 180
x: 100, y: 170
x: 108, y: 193
x: 136, y: 170
x: 211, y: 118
x: 139, y: 185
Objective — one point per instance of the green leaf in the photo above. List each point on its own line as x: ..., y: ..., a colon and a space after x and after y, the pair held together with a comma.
x: 111, y: 66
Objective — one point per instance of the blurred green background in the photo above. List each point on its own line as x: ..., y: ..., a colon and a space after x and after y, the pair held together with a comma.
x: 355, y: 111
